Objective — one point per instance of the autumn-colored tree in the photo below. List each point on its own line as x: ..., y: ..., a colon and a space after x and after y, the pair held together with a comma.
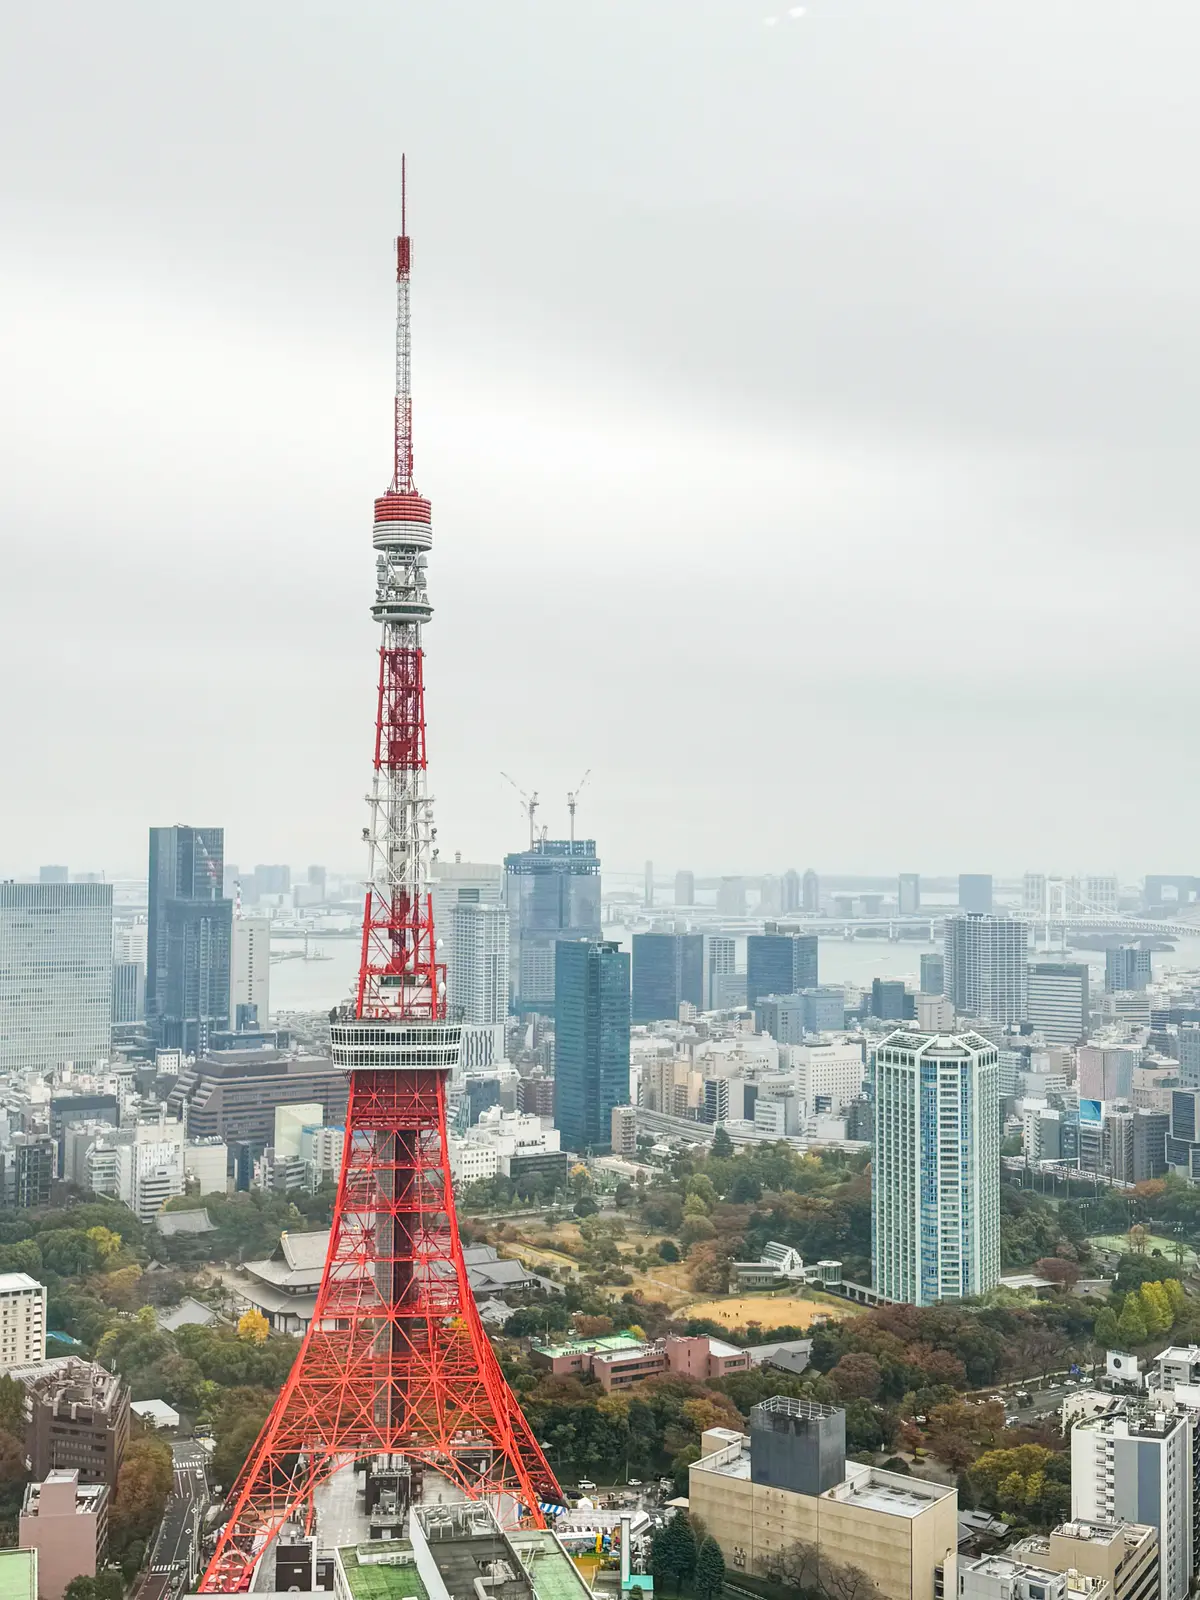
x: 1065, y: 1273
x: 592, y: 1327
x: 253, y: 1326
x: 858, y: 1376
x: 143, y: 1484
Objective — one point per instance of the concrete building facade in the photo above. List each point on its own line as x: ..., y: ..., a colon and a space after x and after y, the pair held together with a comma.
x: 56, y: 975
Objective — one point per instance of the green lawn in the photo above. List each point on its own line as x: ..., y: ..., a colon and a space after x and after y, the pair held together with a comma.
x: 1154, y: 1241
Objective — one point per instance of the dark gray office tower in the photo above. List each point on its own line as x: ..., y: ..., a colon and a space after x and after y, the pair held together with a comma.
x: 793, y: 891
x: 975, y: 893
x: 129, y: 999
x: 668, y: 969
x: 933, y: 974
x: 810, y: 892
x: 188, y: 936
x: 591, y: 1040
x: 888, y: 999
x: 798, y: 1445
x: 552, y: 892
x: 779, y: 963
x: 1127, y: 967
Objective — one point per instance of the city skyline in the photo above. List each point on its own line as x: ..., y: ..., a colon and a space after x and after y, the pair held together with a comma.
x: 901, y: 403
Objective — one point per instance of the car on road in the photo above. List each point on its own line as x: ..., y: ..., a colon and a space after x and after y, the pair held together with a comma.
x: 634, y: 1483
x: 586, y: 1485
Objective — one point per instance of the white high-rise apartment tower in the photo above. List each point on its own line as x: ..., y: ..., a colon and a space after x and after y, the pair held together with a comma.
x: 478, y: 976
x: 1138, y: 1468
x: 250, y: 970
x: 56, y: 975
x: 986, y: 973
x: 22, y: 1320
x: 935, y: 1168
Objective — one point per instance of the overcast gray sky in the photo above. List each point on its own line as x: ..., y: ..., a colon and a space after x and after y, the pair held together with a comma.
x: 809, y: 413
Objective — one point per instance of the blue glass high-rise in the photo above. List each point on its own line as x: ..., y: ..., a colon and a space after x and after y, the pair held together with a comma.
x: 591, y: 1039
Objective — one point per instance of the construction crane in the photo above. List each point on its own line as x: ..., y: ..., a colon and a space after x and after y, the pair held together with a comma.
x: 573, y: 796
x: 529, y: 805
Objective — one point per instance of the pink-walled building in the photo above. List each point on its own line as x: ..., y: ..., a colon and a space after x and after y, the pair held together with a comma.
x: 66, y: 1522
x: 617, y: 1361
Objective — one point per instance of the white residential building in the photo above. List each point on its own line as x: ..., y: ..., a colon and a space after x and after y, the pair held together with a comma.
x: 986, y: 967
x: 22, y: 1320
x: 150, y: 1168
x: 56, y: 975
x: 477, y: 982
x: 206, y: 1163
x: 250, y: 971
x: 1137, y: 1467
x: 471, y: 1162
x: 513, y: 1135
x: 935, y: 1168
x: 831, y: 1071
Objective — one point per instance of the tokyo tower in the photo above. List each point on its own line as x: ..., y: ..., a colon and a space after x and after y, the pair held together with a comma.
x: 396, y: 1366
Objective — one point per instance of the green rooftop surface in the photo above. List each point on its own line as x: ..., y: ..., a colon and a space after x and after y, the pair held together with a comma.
x: 578, y: 1347
x: 17, y: 1581
x: 551, y: 1571
x: 379, y: 1579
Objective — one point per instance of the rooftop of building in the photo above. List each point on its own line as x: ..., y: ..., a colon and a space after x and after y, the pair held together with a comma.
x: 603, y: 1343
x: 948, y: 1045
x: 891, y: 1492
x: 381, y: 1570
x: 57, y: 1486
x: 70, y: 1381
x: 17, y: 1283
x: 1137, y: 1421
x: 18, y: 1575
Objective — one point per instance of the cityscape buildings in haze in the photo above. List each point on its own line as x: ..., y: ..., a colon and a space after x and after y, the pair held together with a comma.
x: 779, y: 962
x: 985, y: 971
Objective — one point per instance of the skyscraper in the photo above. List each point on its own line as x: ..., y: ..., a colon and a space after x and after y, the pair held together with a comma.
x: 975, y: 893
x: 685, y: 888
x: 53, y: 875
x: 1127, y: 967
x: 933, y: 974
x: 250, y: 973
x: 591, y: 1039
x: 792, y: 891
x: 478, y: 975
x: 935, y: 1171
x: 668, y: 968
x: 648, y: 890
x: 56, y: 975
x: 985, y: 967
x: 552, y: 892
x: 810, y: 892
x: 731, y: 897
x: 779, y: 963
x: 908, y: 893
x: 720, y: 972
x: 1058, y: 1005
x: 189, y: 937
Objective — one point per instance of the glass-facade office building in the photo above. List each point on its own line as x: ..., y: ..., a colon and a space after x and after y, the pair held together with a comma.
x: 552, y: 892
x: 56, y: 974
x: 188, y: 939
x: 668, y: 970
x: 591, y: 1039
x: 779, y: 963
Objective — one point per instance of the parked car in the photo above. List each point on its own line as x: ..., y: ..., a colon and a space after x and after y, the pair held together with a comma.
x: 586, y: 1486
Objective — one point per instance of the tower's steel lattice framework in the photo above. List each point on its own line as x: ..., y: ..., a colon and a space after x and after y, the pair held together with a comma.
x: 396, y: 1363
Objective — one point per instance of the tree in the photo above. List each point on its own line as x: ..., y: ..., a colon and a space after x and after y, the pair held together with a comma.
x: 253, y: 1326
x: 667, y: 1250
x: 1131, y: 1324
x: 858, y: 1376
x: 801, y: 1565
x: 585, y: 1206
x: 1156, y: 1308
x: 143, y: 1484
x: 105, y: 1585
x: 673, y: 1551
x: 709, y: 1579
x: 722, y: 1145
x: 1105, y: 1330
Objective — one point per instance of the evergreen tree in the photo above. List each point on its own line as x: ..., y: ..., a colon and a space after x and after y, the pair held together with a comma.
x: 673, y: 1551
x: 1105, y: 1331
x: 710, y: 1570
x: 722, y: 1145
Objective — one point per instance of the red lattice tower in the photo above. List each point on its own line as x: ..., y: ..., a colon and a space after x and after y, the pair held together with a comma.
x: 396, y: 1363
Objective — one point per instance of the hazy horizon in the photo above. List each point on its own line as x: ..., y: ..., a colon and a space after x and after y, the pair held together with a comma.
x: 803, y: 407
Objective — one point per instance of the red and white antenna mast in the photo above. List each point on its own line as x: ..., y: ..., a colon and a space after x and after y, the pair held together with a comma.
x: 399, y: 974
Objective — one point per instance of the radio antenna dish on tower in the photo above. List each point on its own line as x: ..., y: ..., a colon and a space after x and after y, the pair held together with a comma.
x: 529, y: 805
x: 573, y: 798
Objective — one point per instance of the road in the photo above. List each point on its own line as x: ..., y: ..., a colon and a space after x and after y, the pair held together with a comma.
x: 176, y: 1553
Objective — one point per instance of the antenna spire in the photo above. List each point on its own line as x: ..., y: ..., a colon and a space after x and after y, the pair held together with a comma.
x: 402, y: 471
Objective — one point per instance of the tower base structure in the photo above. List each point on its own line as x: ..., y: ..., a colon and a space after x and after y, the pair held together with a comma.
x: 396, y: 1363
